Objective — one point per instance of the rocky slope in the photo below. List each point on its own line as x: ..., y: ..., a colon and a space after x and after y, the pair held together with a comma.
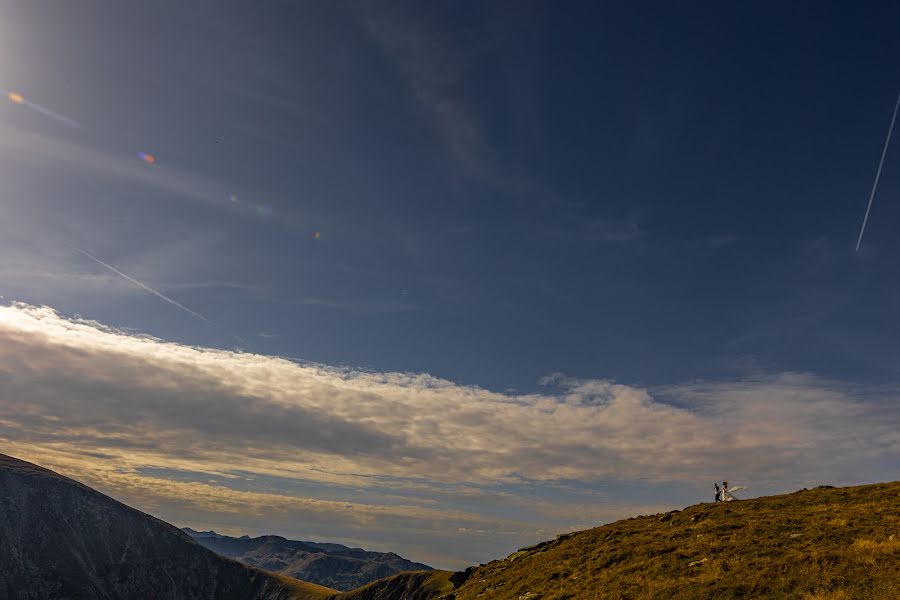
x: 61, y: 539
x: 331, y: 565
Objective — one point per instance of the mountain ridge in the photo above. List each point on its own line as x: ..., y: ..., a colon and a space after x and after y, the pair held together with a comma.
x: 332, y: 565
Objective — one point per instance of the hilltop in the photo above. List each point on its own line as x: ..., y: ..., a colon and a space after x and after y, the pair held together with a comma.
x: 332, y: 565
x: 818, y: 544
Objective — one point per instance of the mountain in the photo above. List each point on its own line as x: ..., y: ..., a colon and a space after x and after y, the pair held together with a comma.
x: 331, y: 565
x: 61, y: 539
x: 200, y: 535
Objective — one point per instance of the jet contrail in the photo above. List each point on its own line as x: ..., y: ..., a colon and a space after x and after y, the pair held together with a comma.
x: 878, y: 173
x: 138, y: 283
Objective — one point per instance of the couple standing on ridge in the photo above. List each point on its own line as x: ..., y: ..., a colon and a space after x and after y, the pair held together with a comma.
x: 722, y: 494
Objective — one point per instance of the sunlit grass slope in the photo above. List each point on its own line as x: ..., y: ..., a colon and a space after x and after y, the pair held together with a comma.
x: 302, y: 590
x: 818, y: 544
x: 412, y: 585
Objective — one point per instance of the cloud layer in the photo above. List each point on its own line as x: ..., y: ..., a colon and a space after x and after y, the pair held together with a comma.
x: 448, y: 472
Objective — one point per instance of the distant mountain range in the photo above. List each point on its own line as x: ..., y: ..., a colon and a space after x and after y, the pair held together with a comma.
x: 331, y: 565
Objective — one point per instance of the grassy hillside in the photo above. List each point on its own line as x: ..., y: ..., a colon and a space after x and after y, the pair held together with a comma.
x: 302, y: 590
x: 413, y: 585
x: 820, y: 544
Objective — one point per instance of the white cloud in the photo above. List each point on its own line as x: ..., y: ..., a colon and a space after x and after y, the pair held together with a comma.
x: 105, y: 406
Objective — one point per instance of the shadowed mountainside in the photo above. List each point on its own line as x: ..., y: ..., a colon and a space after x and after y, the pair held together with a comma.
x: 61, y: 539
x: 331, y: 565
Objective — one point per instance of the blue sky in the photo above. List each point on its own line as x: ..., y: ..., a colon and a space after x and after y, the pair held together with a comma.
x: 661, y: 196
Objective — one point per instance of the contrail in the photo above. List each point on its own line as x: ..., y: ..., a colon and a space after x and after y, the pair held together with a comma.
x: 878, y: 173
x: 138, y: 283
x: 17, y: 98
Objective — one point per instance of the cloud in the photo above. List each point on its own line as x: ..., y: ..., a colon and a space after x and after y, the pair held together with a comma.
x: 438, y: 69
x: 435, y: 65
x: 291, y: 443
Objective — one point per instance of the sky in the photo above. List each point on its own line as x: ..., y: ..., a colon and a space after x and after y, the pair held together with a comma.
x: 446, y: 278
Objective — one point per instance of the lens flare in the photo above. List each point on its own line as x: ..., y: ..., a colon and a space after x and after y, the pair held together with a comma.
x: 147, y: 158
x: 17, y: 98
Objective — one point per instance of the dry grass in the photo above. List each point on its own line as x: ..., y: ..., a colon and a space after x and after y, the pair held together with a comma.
x: 820, y: 544
x: 302, y: 590
x: 410, y: 585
